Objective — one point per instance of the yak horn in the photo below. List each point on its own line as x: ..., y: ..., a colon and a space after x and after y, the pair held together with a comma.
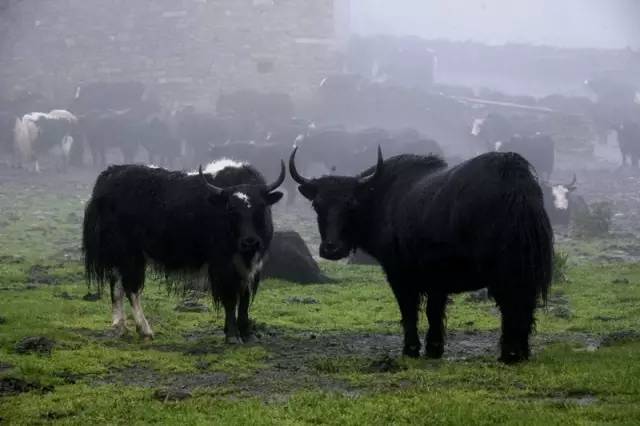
x: 280, y: 179
x: 213, y: 188
x: 294, y: 172
x: 377, y: 172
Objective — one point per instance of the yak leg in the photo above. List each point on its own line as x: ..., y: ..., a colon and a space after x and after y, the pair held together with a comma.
x: 244, y: 323
x: 142, y: 325
x: 133, y: 281
x: 436, y: 304
x: 231, y: 331
x: 517, y: 324
x: 119, y: 322
x: 408, y: 301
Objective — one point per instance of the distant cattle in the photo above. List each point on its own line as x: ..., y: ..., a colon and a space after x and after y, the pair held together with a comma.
x: 256, y: 106
x: 106, y: 96
x: 38, y: 134
x: 629, y: 142
x: 215, y: 223
x: 561, y: 203
x: 538, y: 149
x: 438, y: 230
x: 111, y: 130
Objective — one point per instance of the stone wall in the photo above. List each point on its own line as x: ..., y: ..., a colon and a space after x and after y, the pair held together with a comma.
x: 186, y: 51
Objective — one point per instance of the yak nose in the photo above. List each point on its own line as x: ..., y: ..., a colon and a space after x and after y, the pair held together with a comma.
x: 330, y: 247
x: 249, y: 244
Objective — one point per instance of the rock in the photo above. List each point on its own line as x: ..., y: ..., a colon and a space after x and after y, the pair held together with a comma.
x: 91, y: 297
x: 302, y: 300
x: 38, y: 344
x: 620, y: 281
x: 385, y: 364
x: 39, y: 274
x: 290, y: 260
x: 171, y: 394
x: 64, y: 295
x: 561, y: 312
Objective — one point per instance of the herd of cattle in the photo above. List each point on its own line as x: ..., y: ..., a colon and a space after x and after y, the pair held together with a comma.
x: 436, y: 225
x: 107, y: 118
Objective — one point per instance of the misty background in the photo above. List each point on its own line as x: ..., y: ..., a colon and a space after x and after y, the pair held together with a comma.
x: 564, y: 23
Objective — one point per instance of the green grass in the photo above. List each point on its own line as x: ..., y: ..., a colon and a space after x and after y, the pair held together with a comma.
x: 284, y: 378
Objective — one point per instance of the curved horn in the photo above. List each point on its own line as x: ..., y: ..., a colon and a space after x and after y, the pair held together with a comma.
x: 280, y: 179
x: 294, y: 172
x: 213, y: 188
x: 572, y: 185
x: 377, y: 172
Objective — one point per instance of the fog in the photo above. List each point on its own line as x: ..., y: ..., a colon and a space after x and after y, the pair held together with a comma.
x: 566, y: 23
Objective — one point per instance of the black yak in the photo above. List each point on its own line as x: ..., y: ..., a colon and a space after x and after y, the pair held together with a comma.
x: 216, y: 223
x: 629, y: 142
x: 437, y: 230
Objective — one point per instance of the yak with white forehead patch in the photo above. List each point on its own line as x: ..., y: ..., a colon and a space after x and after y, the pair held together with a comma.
x: 437, y: 230
x: 181, y: 225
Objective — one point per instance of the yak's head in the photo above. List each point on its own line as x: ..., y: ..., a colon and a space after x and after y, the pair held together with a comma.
x: 248, y: 212
x: 337, y: 201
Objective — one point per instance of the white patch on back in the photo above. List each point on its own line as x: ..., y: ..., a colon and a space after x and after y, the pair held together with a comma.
x: 217, y: 166
x: 56, y: 114
x: 244, y: 197
x: 498, y: 145
x: 560, y: 199
x: 152, y: 166
x: 477, y: 126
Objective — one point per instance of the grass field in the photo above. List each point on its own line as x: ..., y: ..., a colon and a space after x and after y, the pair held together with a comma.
x: 326, y: 354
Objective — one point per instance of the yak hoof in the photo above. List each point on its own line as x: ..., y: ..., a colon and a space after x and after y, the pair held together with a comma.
x: 248, y: 338
x: 434, y: 350
x: 119, y: 329
x: 513, y: 356
x: 411, y: 351
x: 233, y: 340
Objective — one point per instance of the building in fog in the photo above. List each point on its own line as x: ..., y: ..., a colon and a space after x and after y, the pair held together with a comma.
x: 184, y: 50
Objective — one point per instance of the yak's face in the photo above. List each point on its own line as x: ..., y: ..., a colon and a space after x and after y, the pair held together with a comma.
x: 338, y: 202
x: 248, y: 212
x: 335, y: 200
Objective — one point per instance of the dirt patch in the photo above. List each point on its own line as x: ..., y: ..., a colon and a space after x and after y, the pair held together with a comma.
x: 15, y: 386
x: 38, y: 344
x: 39, y: 274
x: 149, y: 378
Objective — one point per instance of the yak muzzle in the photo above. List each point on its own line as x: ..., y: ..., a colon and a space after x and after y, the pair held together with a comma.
x: 333, y: 251
x: 250, y: 244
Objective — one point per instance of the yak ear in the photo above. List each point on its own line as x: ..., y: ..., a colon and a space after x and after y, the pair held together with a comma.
x: 308, y: 191
x: 273, y: 197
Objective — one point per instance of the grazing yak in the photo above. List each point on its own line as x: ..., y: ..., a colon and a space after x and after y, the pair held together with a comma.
x: 437, y: 230
x: 40, y: 133
x: 629, y: 142
x: 216, y: 223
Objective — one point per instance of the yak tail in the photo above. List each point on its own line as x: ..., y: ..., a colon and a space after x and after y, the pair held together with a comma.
x: 95, y: 269
x: 526, y: 265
